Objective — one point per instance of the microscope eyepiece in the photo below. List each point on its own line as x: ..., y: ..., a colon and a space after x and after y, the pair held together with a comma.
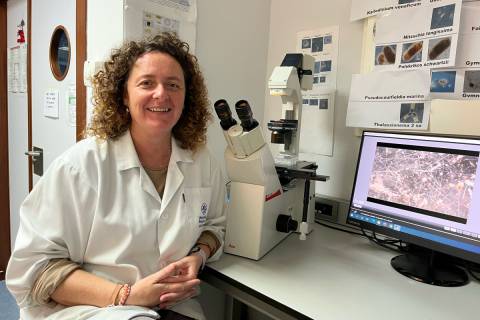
x: 245, y: 115
x: 224, y: 114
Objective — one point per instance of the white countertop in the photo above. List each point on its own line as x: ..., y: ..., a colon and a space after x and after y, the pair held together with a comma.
x: 335, y: 275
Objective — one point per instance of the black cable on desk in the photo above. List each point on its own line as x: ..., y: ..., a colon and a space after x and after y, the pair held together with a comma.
x: 473, y: 275
x: 391, y: 244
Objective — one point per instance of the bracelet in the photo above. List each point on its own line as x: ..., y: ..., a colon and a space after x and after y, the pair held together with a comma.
x: 124, y: 293
x: 114, y: 295
x: 207, y: 245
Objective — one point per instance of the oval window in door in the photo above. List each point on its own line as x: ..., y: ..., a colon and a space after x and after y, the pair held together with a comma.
x: 60, y: 53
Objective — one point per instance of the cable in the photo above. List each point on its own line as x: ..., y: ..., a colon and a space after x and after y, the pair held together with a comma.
x: 472, y: 274
x: 383, y: 243
x: 386, y: 243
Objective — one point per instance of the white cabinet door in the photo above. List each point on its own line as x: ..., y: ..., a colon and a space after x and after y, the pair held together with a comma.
x: 53, y: 134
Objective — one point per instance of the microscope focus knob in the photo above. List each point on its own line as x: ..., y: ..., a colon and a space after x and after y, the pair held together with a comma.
x: 286, y: 224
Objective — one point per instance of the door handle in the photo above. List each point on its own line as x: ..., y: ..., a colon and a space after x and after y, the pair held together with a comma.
x: 37, y: 159
x: 33, y: 153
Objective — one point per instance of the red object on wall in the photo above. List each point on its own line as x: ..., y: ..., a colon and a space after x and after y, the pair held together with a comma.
x: 20, y: 33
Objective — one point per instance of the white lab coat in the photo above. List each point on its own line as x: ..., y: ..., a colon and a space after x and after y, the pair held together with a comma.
x: 97, y: 206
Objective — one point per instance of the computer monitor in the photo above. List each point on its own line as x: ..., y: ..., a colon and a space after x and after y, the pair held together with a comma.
x: 424, y: 190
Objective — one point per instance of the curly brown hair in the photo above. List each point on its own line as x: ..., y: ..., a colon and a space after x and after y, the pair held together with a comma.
x: 110, y: 116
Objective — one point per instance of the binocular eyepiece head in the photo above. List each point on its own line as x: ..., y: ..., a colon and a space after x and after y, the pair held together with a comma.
x: 244, y: 113
x: 224, y: 114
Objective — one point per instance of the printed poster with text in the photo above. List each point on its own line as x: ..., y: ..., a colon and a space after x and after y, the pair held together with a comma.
x: 366, y: 8
x: 463, y: 81
x: 390, y: 100
x: 316, y: 134
x: 415, y: 38
x: 146, y: 18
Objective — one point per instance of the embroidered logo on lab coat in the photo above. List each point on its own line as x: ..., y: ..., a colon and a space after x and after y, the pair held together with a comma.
x: 203, y: 214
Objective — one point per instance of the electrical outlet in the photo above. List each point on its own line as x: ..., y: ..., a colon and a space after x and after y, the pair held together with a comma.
x: 331, y: 209
x: 326, y: 209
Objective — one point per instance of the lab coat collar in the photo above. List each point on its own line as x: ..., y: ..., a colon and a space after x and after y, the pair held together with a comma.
x: 125, y: 152
x: 174, y: 174
x: 179, y: 154
x: 127, y: 156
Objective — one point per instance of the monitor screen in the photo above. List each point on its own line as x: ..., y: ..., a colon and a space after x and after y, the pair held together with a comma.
x: 421, y: 189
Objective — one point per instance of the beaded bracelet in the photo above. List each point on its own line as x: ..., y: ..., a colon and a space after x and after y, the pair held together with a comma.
x: 124, y: 293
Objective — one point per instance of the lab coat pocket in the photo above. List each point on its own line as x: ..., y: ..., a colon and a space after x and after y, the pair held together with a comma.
x: 197, y: 202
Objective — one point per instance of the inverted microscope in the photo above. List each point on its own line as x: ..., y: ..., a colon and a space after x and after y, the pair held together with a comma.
x: 269, y: 198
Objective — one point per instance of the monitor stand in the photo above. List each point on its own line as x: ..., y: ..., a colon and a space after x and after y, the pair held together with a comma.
x: 429, y: 267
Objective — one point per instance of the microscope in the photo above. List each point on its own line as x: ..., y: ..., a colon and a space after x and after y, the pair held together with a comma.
x: 268, y: 198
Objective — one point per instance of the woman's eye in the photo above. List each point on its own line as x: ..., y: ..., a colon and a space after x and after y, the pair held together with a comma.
x: 145, y: 83
x: 173, y: 85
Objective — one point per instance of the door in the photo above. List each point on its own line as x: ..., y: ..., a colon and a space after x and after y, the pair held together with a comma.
x: 25, y: 111
x: 53, y: 72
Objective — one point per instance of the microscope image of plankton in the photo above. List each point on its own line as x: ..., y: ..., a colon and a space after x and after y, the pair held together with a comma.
x: 439, y: 182
x: 439, y: 48
x: 412, y: 52
x: 411, y: 112
x: 443, y: 81
x: 443, y: 16
x: 472, y: 82
x: 385, y: 55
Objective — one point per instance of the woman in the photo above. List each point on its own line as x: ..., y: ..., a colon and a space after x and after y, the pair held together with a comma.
x: 122, y: 222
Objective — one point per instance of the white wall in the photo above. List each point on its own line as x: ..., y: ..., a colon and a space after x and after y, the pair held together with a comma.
x: 232, y: 44
x: 232, y: 51
x: 286, y: 19
x: 104, y: 32
x: 17, y: 125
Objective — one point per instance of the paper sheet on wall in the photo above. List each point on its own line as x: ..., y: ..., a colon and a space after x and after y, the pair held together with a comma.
x: 415, y: 38
x: 144, y: 18
x: 390, y: 100
x: 71, y: 98
x: 463, y: 81
x: 50, y: 106
x: 316, y: 134
x: 366, y: 8
x: 17, y: 68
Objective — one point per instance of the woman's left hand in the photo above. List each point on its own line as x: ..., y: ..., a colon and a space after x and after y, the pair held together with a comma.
x: 187, y: 269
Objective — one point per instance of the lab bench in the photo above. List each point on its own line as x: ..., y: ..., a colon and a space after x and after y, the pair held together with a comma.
x: 335, y: 275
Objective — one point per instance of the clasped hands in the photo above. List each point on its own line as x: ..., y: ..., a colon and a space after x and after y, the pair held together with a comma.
x: 176, y: 282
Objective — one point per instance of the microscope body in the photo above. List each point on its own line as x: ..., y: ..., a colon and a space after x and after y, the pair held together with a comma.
x: 298, y: 177
x: 269, y: 198
x: 256, y: 200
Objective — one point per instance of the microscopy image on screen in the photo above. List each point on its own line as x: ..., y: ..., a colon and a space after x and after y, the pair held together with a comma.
x: 432, y: 181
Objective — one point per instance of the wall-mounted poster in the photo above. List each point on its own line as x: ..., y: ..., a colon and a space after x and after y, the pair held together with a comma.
x: 390, y: 100
x: 463, y: 81
x: 316, y: 134
x: 144, y: 18
x: 366, y: 8
x: 415, y: 38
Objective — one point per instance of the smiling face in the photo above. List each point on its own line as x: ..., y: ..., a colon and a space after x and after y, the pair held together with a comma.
x: 155, y: 94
